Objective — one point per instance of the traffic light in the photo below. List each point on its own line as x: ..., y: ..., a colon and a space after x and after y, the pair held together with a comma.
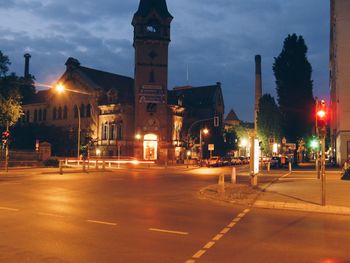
x: 216, y: 121
x: 5, y: 137
x: 321, y: 115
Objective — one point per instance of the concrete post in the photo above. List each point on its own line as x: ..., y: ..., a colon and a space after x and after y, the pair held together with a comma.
x: 84, y: 170
x: 88, y: 164
x: 268, y: 166
x: 233, y: 175
x: 221, y: 183
x: 96, y: 165
x: 290, y: 166
x: 60, y: 166
x: 66, y: 161
x: 103, y: 165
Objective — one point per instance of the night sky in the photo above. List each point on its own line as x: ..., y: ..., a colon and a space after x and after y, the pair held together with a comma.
x: 216, y: 40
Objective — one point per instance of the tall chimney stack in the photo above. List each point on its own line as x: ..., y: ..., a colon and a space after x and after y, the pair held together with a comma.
x: 258, y: 87
x: 26, y: 65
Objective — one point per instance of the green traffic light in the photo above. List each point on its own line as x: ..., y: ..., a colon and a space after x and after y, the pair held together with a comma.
x: 314, y: 144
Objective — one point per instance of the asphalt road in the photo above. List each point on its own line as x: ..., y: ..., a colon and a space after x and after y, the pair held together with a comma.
x: 154, y: 215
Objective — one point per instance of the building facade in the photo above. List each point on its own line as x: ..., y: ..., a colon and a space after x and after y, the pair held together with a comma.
x: 340, y: 80
x: 120, y: 115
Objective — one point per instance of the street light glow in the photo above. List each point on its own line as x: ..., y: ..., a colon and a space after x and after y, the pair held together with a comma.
x: 60, y: 88
x: 244, y: 143
x: 205, y: 131
x: 138, y: 136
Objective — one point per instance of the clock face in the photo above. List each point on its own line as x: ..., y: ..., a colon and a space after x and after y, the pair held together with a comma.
x: 151, y: 28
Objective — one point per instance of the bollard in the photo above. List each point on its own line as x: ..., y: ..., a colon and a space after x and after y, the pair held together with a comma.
x: 166, y: 164
x: 78, y: 162
x: 103, y: 165
x: 60, y: 167
x: 268, y: 166
x: 84, y: 170
x: 221, y: 183
x: 66, y: 161
x: 96, y: 165
x: 233, y: 176
x: 109, y: 164
x: 290, y: 166
x: 88, y: 164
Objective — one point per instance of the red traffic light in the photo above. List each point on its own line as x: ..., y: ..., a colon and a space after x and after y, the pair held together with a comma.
x: 321, y: 114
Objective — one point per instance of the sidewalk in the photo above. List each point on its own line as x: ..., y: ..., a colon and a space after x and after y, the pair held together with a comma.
x: 301, y: 190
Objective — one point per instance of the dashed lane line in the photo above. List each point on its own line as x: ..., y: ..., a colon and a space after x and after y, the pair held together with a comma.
x: 217, y: 237
x: 9, y: 209
x: 49, y: 214
x: 101, y: 222
x: 168, y: 231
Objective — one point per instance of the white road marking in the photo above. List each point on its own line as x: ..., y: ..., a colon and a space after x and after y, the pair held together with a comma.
x: 48, y: 214
x: 168, y: 231
x: 101, y: 222
x: 199, y: 254
x: 218, y: 236
x: 9, y: 209
x: 225, y: 230
x: 209, y: 244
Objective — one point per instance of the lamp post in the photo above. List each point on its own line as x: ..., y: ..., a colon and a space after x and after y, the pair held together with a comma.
x: 205, y: 131
x: 60, y: 88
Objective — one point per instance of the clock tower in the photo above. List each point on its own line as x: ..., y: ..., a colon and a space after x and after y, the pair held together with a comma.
x: 153, y: 123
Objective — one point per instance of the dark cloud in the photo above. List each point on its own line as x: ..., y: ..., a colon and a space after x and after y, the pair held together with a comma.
x: 216, y: 40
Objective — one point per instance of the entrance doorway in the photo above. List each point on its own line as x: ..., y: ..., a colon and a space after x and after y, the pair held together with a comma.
x: 150, y: 147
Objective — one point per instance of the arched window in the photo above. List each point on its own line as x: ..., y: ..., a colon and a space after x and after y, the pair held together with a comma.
x: 105, y: 131
x: 112, y: 132
x: 44, y: 115
x: 82, y: 110
x: 60, y: 113
x: 54, y: 114
x: 40, y: 117
x: 65, y: 112
x: 35, y: 115
x: 75, y: 111
x: 119, y: 132
x: 88, y: 110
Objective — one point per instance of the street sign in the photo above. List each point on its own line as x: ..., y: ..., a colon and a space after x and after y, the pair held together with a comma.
x: 211, y: 147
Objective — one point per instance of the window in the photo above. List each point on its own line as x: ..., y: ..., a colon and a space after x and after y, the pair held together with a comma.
x: 40, y: 117
x: 28, y: 116
x: 35, y: 115
x: 54, y: 113
x: 105, y: 131
x: 112, y: 132
x: 75, y: 111
x: 119, y: 132
x: 60, y: 113
x: 82, y: 110
x: 44, y: 114
x: 88, y: 110
x: 151, y: 77
x: 65, y: 112
x: 151, y: 107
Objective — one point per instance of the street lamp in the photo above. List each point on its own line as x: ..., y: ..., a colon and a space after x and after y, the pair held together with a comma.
x: 205, y: 131
x: 60, y: 88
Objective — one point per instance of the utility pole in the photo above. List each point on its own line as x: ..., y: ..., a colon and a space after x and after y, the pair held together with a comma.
x: 7, y: 149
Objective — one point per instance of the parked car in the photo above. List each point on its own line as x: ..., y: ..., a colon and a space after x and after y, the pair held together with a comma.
x: 279, y: 161
x: 214, y: 161
x: 236, y: 161
x: 226, y: 161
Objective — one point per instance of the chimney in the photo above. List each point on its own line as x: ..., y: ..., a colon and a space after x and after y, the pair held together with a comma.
x: 258, y: 87
x: 26, y: 65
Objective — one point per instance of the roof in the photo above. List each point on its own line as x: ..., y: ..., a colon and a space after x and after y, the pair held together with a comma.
x: 107, y: 81
x: 231, y: 116
x: 40, y: 97
x: 160, y: 6
x: 196, y: 97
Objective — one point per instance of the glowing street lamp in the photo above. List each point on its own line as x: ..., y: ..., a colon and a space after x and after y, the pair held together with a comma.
x: 205, y: 131
x: 60, y: 88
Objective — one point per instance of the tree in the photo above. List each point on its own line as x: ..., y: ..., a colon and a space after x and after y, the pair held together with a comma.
x: 268, y: 121
x: 294, y: 86
x: 10, y: 97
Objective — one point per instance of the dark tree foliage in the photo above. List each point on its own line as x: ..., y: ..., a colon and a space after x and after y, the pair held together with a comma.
x: 294, y: 88
x: 4, y: 64
x: 269, y: 120
x: 63, y: 142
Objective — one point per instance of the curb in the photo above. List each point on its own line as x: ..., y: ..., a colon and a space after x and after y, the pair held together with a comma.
x: 328, y: 209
